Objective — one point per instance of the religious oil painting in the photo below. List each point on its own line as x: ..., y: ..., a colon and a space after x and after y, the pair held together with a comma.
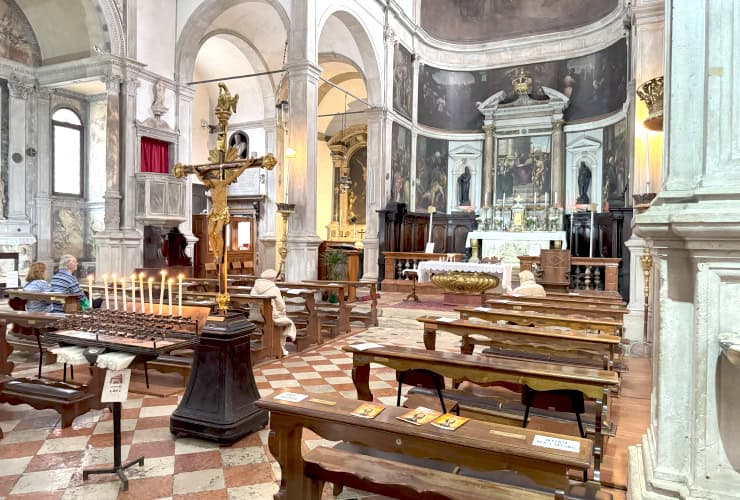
x: 475, y: 21
x: 403, y: 81
x: 615, y: 181
x: 431, y: 174
x: 401, y: 164
x: 523, y: 168
x: 596, y: 85
x: 357, y: 164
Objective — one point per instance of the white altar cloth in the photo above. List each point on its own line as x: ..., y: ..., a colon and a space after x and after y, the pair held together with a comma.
x: 508, y: 246
x: 426, y: 268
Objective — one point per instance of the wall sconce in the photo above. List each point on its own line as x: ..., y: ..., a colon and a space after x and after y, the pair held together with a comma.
x: 651, y: 93
x: 282, y: 106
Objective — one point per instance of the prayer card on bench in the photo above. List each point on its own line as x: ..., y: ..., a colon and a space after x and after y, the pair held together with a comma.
x: 368, y: 410
x: 419, y: 416
x: 449, y: 421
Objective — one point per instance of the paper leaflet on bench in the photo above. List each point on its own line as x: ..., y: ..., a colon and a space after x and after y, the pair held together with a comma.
x: 365, y: 346
x: 293, y: 397
x: 556, y: 443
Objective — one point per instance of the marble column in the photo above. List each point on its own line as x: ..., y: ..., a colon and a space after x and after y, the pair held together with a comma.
x: 18, y: 218
x: 557, y: 180
x: 489, y: 182
x: 376, y: 159
x: 339, y: 198
x: 184, y: 97
x: 690, y: 449
x: 112, y: 194
x: 128, y: 154
x: 43, y: 179
x: 268, y: 212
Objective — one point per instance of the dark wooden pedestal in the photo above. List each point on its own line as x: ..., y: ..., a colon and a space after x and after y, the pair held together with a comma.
x: 218, y: 404
x: 462, y: 299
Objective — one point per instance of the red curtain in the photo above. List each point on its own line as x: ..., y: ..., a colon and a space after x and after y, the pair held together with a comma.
x: 155, y: 156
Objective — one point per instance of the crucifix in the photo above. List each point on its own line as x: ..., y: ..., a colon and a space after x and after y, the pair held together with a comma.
x: 224, y: 168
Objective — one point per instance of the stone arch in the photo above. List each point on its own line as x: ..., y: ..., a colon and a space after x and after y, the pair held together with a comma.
x: 360, y: 33
x: 111, y: 21
x: 194, y: 32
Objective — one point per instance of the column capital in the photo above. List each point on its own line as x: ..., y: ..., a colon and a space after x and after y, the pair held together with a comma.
x: 20, y: 90
x: 376, y: 113
x: 45, y: 94
x: 131, y: 85
x: 303, y: 68
x: 112, y: 83
x: 490, y: 130
x: 389, y: 35
x: 558, y: 125
x: 185, y: 92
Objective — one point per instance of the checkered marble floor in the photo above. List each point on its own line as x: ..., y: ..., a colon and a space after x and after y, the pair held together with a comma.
x: 40, y: 460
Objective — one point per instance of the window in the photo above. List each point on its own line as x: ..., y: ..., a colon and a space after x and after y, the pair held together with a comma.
x: 67, y: 152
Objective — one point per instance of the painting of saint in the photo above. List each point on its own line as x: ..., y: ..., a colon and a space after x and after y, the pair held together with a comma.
x: 403, y: 81
x: 240, y: 141
x: 431, y: 173
x: 615, y: 182
x: 523, y: 167
x: 401, y: 164
x: 358, y: 177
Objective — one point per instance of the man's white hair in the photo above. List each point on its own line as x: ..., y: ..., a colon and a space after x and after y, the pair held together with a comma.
x: 65, y: 260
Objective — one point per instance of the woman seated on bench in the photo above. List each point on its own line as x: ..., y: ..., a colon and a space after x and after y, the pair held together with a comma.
x: 265, y: 287
x: 528, y: 287
x: 36, y: 282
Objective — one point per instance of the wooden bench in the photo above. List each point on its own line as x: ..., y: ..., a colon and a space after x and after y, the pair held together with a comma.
x: 492, y: 370
x: 522, y: 318
x: 540, y: 343
x: 604, y: 299
x: 569, y: 310
x: 369, y: 318
x: 69, y: 400
x: 479, y: 446
x: 70, y: 301
x: 551, y: 298
x: 34, y: 322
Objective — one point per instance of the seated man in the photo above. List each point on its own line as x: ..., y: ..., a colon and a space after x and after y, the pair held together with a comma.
x: 528, y: 287
x: 265, y: 287
x: 65, y: 282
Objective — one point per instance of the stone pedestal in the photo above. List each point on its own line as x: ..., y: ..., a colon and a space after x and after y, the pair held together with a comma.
x: 218, y: 404
x: 634, y: 321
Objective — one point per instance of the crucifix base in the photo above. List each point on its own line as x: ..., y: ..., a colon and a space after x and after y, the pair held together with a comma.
x: 218, y: 404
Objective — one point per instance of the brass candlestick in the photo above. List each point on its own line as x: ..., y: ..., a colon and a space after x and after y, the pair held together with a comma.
x: 646, y: 259
x: 285, y: 210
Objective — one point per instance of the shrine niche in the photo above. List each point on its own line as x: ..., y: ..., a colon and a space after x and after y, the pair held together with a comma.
x: 349, y: 159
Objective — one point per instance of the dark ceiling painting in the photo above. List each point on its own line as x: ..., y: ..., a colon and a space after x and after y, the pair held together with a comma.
x: 17, y: 39
x: 403, y: 81
x: 596, y: 85
x: 476, y: 21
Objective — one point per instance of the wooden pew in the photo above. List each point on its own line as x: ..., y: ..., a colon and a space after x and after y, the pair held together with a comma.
x: 550, y: 298
x: 69, y: 400
x: 481, y: 446
x: 490, y: 370
x: 369, y: 318
x: 591, y: 298
x: 70, y: 301
x: 570, y: 310
x: 513, y: 340
x: 528, y: 319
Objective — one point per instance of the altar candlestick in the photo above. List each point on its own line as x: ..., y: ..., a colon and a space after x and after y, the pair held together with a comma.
x: 179, y: 293
x: 503, y: 201
x: 169, y: 294
x: 431, y: 209
x: 115, y: 291
x: 647, y: 160
x: 105, y: 284
x: 546, y: 199
x: 556, y: 199
x: 141, y: 291
x: 591, y: 235
x: 151, y: 300
x: 572, y: 214
x: 535, y: 200
x: 133, y: 292
x: 123, y: 292
x: 161, y: 290
x: 89, y: 287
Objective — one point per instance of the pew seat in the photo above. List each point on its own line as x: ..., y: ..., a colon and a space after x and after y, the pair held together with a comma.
x: 404, y: 481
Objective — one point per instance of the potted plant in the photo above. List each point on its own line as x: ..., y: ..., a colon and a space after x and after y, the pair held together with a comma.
x: 336, y: 267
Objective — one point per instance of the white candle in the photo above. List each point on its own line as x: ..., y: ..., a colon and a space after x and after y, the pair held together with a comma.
x: 431, y: 214
x: 161, y: 291
x: 503, y: 202
x: 556, y: 199
x: 89, y: 288
x: 115, y: 292
x: 105, y: 284
x: 285, y: 181
x: 647, y: 160
x: 494, y: 199
x: 151, y: 300
x: 535, y: 199
x: 591, y: 235
x: 123, y: 291
x: 169, y: 294
x: 572, y: 214
x: 133, y: 292
x: 546, y: 199
x: 141, y: 292
x: 179, y: 293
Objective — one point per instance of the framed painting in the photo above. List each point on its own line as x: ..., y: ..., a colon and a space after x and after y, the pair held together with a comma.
x: 523, y: 167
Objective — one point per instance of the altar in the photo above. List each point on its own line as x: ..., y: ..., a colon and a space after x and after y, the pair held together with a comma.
x: 508, y: 246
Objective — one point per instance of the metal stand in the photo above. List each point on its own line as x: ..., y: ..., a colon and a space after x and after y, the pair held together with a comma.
x: 118, y: 468
x: 284, y: 209
x: 646, y: 259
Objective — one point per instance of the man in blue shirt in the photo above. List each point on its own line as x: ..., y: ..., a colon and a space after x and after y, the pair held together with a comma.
x: 65, y: 282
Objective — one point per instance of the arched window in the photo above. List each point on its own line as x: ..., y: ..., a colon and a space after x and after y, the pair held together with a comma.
x: 67, y: 152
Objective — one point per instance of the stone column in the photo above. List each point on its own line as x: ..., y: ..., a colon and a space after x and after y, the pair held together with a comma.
x: 129, y: 153
x: 112, y: 194
x: 557, y: 183
x: 339, y: 198
x: 690, y: 450
x: 268, y: 212
x: 184, y: 96
x: 18, y: 219
x: 43, y: 179
x: 489, y: 182
x: 376, y: 159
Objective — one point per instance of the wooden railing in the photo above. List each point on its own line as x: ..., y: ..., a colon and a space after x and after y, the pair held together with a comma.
x: 396, y: 262
x: 596, y: 275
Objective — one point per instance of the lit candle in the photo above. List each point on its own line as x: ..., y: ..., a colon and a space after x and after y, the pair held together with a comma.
x: 161, y: 291
x: 89, y: 287
x: 123, y: 291
x: 105, y: 284
x: 151, y: 301
x: 115, y: 291
x: 179, y: 293
x: 647, y: 160
x: 141, y: 291
x: 133, y: 292
x: 286, y: 180
x: 591, y: 235
x: 169, y: 294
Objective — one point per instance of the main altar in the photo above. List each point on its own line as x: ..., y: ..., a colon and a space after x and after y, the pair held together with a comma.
x: 508, y: 246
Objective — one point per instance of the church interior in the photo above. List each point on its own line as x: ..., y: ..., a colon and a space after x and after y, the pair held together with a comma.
x: 314, y: 249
